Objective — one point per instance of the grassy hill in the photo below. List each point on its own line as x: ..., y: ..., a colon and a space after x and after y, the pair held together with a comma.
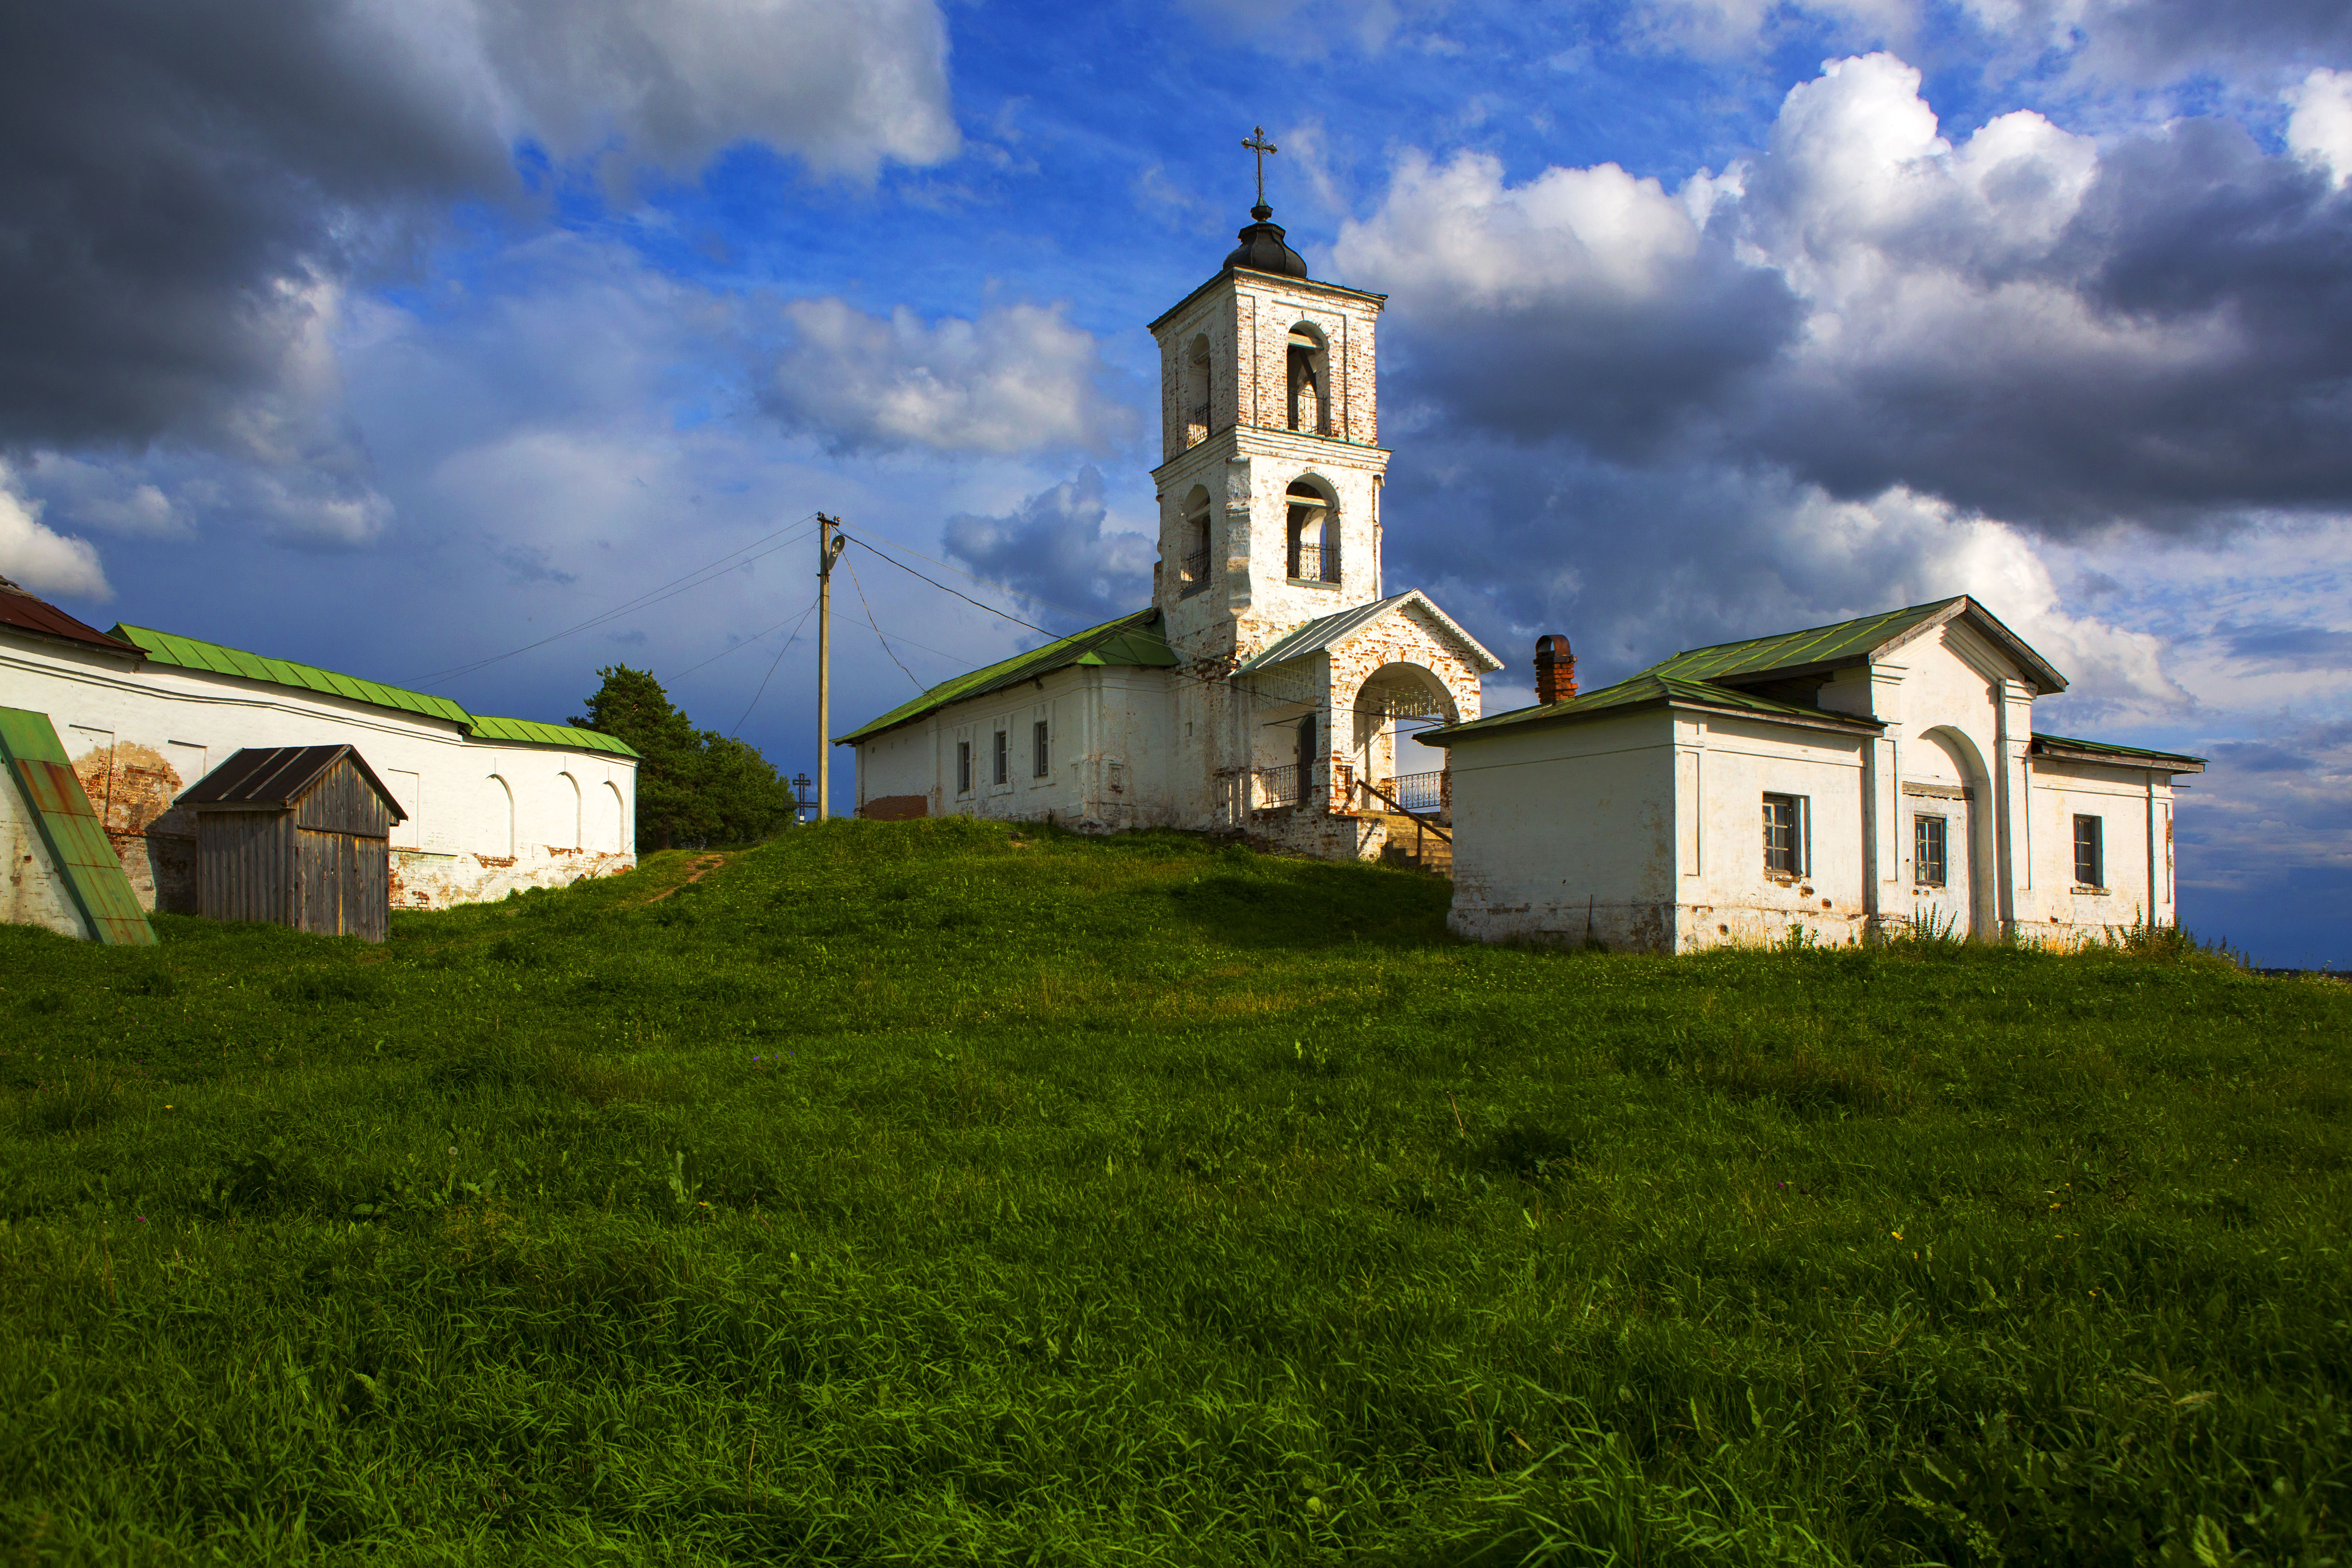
x: 934, y: 1193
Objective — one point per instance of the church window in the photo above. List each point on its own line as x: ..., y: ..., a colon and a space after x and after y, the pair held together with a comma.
x: 1310, y: 380
x: 1927, y: 846
x: 1194, y: 541
x: 1193, y: 390
x: 1003, y: 770
x: 1038, y: 766
x: 1784, y: 835
x: 1313, y: 535
x: 2090, y: 853
x: 963, y: 767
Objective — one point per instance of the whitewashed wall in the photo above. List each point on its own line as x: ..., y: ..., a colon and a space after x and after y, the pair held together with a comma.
x: 486, y: 818
x: 1108, y: 753
x: 1561, y: 830
x: 2135, y: 810
x: 31, y: 890
x: 1724, y: 768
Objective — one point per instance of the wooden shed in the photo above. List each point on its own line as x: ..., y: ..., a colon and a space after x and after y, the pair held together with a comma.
x: 301, y: 835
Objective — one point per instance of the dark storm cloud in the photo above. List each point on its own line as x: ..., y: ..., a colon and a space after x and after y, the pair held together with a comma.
x: 1623, y: 375
x: 2216, y: 375
x: 184, y: 188
x: 2151, y: 40
x: 2028, y: 324
x: 173, y: 177
x: 1053, y: 545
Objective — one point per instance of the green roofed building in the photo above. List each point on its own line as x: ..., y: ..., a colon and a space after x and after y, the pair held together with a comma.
x: 1853, y: 779
x: 139, y: 715
x: 1261, y: 690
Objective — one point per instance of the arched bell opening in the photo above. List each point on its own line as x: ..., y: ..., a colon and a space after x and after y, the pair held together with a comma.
x: 1311, y: 380
x: 1193, y: 389
x: 1312, y: 547
x: 1192, y: 542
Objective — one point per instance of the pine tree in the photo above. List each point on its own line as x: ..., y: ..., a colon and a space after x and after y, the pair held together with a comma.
x: 694, y: 786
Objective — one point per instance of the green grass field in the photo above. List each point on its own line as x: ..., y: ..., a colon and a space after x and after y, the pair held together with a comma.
x: 931, y: 1192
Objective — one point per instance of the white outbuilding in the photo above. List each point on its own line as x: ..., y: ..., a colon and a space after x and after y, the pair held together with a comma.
x: 1875, y: 776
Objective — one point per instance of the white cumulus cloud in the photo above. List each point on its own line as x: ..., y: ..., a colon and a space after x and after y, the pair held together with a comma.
x: 2320, y: 129
x: 36, y: 558
x: 1018, y: 379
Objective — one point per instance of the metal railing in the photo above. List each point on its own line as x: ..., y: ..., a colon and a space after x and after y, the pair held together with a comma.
x: 1275, y: 786
x: 1313, y: 564
x: 1429, y: 792
x: 1195, y: 569
x: 1424, y: 821
x: 1196, y: 424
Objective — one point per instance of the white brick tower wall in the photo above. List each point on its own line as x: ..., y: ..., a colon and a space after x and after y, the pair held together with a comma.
x: 1231, y: 454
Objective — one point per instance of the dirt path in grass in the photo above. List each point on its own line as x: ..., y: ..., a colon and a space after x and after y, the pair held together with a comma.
x: 697, y: 868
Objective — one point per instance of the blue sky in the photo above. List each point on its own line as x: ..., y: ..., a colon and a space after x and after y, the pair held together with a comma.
x: 397, y: 337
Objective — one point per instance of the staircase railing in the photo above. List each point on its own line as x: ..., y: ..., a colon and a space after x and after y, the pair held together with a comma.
x: 1422, y: 819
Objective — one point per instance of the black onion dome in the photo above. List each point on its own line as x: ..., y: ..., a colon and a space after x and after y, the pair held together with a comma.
x: 1262, y: 250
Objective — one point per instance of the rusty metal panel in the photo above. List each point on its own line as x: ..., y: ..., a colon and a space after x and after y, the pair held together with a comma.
x: 75, y: 837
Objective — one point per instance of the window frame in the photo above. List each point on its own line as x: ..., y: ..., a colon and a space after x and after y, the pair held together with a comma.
x: 2096, y: 844
x: 1921, y: 858
x: 1799, y: 834
x: 1001, y: 771
x: 1041, y: 764
x: 963, y: 767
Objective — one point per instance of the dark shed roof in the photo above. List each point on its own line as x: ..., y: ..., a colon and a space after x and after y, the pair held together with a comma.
x: 279, y: 775
x: 25, y: 613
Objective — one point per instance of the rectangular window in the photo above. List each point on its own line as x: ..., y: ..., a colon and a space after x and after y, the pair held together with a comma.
x: 1037, y: 759
x: 1784, y: 835
x: 1003, y: 771
x: 1928, y: 851
x: 963, y: 767
x: 2090, y: 854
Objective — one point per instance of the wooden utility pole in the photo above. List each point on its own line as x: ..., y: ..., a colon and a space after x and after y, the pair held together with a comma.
x: 829, y: 546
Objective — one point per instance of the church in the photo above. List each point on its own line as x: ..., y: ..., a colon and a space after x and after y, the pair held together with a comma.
x: 1261, y: 690
x: 1831, y: 785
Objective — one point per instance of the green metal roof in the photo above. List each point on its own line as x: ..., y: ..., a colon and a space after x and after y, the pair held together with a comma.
x: 75, y: 838
x: 1693, y: 675
x: 193, y: 653
x: 1847, y: 642
x: 1135, y: 640
x: 1647, y: 690
x: 2044, y: 742
x: 190, y: 653
x: 531, y: 732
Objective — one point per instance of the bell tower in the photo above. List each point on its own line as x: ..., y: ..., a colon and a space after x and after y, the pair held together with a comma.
x: 1271, y: 466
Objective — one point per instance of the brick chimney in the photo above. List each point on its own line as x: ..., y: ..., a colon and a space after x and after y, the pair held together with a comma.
x: 1555, y: 669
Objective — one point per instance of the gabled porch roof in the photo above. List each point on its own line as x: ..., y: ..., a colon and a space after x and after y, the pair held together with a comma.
x: 1329, y: 631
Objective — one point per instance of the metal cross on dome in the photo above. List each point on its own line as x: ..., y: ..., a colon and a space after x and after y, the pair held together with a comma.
x: 1257, y: 143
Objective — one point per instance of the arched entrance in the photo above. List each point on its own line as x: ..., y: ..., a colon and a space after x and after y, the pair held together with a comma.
x: 1401, y: 696
x: 1946, y: 828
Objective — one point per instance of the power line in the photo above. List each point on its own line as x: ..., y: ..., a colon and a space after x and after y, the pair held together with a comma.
x: 984, y: 581
x: 967, y: 598
x: 738, y: 648
x: 877, y: 628
x: 772, y: 668
x: 699, y: 577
